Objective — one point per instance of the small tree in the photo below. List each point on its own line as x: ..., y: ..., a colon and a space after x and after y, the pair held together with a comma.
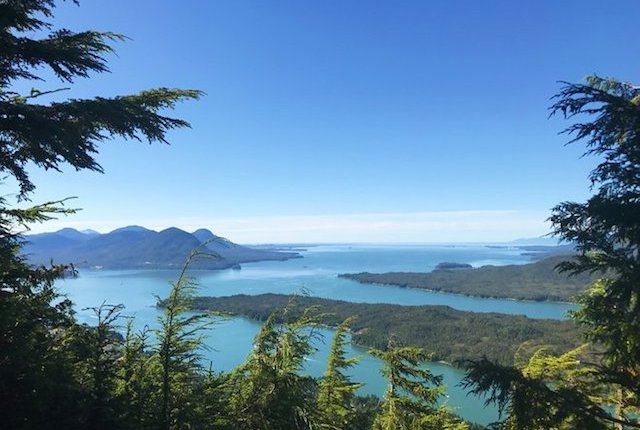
x: 336, y: 392
x: 103, y: 349
x: 410, y: 401
x: 180, y: 339
x: 138, y: 382
x: 270, y: 393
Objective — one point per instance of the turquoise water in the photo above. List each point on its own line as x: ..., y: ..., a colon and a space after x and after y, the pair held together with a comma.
x: 230, y: 341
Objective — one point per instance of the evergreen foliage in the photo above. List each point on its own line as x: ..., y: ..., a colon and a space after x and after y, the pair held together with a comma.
x: 138, y: 381
x: 101, y: 368
x: 410, y: 401
x: 180, y: 338
x: 54, y: 373
x: 606, y: 231
x: 270, y: 392
x: 539, y: 281
x: 336, y: 392
x: 451, y: 334
x: 68, y: 131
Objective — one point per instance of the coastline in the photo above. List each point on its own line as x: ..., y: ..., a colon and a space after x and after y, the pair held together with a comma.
x: 441, y: 291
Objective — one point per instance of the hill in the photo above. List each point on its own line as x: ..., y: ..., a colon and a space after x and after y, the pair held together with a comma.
x: 535, y: 281
x: 136, y: 247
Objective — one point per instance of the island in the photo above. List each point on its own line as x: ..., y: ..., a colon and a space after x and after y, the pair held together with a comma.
x: 539, y: 281
x: 453, y: 266
x: 452, y: 335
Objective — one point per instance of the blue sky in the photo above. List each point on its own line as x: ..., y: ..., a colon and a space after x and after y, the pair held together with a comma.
x: 409, y: 121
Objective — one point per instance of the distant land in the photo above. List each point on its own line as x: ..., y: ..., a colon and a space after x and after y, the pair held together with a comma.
x: 538, y: 241
x: 538, y: 252
x: 136, y: 247
x: 452, y: 335
x: 538, y: 281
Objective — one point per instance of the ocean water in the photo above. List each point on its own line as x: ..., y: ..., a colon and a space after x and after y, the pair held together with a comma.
x: 230, y: 341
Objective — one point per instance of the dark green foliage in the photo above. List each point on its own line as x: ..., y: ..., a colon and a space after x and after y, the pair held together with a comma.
x: 530, y: 403
x: 365, y: 409
x: 453, y: 266
x: 37, y: 384
x: 68, y: 54
x: 100, y: 367
x: 48, y: 135
x: 53, y: 372
x: 138, y: 381
x: 535, y: 281
x: 38, y: 343
x: 607, y: 227
x: 66, y: 131
x: 453, y: 335
x: 606, y: 231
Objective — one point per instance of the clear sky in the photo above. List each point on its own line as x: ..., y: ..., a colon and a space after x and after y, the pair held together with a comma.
x: 334, y: 121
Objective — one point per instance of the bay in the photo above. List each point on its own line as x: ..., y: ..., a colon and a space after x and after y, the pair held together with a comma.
x: 230, y: 341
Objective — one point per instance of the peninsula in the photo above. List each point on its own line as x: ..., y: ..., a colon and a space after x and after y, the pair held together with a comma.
x: 452, y: 335
x: 539, y: 281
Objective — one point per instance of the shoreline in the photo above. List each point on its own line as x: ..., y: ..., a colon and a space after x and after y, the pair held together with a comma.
x: 390, y: 285
x: 452, y: 335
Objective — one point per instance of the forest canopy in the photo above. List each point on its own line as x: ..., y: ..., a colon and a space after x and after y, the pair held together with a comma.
x: 450, y: 335
x: 540, y: 281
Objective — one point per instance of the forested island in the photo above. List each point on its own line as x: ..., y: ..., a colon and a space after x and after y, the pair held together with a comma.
x: 539, y: 281
x: 453, y: 336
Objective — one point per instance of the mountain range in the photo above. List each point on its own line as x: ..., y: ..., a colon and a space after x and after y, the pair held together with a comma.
x: 136, y: 247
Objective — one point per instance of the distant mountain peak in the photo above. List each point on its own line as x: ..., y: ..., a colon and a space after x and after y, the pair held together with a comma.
x: 135, y: 247
x: 132, y: 228
x: 202, y: 234
x: 67, y: 230
x: 173, y: 229
x: 70, y: 233
x: 176, y: 233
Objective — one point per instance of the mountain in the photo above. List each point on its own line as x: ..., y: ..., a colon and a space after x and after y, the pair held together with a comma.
x: 203, y: 235
x: 88, y: 231
x: 135, y: 247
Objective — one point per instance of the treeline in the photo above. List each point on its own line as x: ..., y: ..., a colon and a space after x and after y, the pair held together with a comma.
x: 57, y: 373
x: 451, y: 335
x: 539, y: 281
